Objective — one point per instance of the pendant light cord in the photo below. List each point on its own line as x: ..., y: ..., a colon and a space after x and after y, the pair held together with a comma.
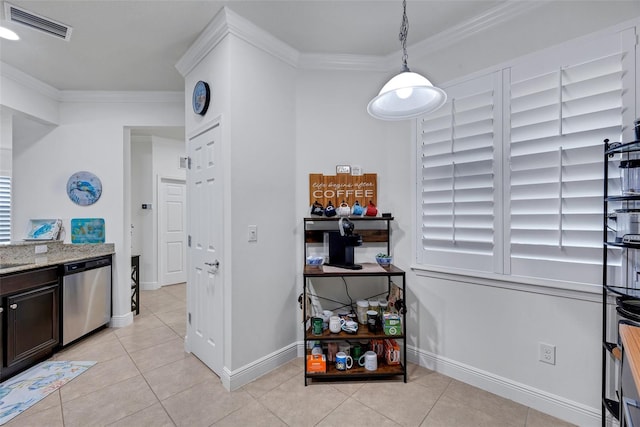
x: 404, y: 30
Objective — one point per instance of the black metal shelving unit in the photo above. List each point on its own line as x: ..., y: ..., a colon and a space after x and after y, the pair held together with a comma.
x: 375, y: 230
x: 611, y: 348
x: 135, y: 283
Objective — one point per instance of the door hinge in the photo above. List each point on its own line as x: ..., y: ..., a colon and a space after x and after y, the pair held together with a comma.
x: 189, y: 163
x: 189, y: 240
x: 189, y: 316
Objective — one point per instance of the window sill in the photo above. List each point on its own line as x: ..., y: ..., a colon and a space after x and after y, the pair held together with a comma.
x: 573, y: 290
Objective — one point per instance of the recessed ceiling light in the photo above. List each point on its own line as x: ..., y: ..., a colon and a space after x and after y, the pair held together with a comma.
x: 6, y: 33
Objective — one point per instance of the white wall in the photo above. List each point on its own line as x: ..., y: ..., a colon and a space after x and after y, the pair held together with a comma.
x: 90, y: 136
x: 254, y: 93
x: 142, y: 220
x: 6, y: 145
x: 486, y: 332
x: 263, y: 147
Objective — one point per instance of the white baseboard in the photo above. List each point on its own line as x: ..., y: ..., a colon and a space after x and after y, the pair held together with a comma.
x: 149, y: 286
x: 557, y: 406
x: 565, y: 409
x: 121, y: 321
x: 233, y: 380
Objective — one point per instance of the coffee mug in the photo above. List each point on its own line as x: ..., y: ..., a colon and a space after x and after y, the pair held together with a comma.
x: 316, y: 325
x: 343, y: 209
x: 343, y: 362
x: 369, y: 360
x: 350, y: 326
x: 356, y: 351
x: 335, y: 324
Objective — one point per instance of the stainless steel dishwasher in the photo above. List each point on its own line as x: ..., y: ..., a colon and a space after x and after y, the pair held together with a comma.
x: 86, y: 297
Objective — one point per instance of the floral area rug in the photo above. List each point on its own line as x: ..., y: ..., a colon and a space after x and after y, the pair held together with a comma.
x: 19, y: 393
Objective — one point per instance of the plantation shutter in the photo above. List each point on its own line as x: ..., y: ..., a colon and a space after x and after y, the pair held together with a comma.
x: 558, y: 121
x: 457, y: 157
x: 5, y: 209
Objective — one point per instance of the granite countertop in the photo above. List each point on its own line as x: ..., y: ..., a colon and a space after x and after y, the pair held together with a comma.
x: 19, y: 258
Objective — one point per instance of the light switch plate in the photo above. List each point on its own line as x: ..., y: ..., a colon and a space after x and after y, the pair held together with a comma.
x: 252, y: 233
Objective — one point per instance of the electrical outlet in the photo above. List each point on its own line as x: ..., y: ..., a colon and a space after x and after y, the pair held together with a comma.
x: 41, y: 249
x: 548, y: 353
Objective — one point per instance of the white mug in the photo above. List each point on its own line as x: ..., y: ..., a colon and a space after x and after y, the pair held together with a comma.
x: 349, y: 325
x: 335, y: 325
x: 369, y: 360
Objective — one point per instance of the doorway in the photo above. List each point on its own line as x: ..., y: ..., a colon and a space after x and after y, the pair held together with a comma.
x: 172, y: 209
x: 155, y: 156
x: 205, y: 278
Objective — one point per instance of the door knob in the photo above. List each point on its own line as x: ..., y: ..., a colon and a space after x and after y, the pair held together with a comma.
x: 13, y: 306
x: 1, y: 309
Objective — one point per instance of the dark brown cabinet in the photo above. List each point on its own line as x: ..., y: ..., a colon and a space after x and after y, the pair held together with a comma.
x: 30, y: 318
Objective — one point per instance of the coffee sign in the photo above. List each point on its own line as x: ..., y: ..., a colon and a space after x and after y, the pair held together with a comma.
x: 343, y: 187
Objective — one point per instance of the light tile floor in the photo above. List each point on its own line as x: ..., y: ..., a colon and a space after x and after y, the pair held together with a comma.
x: 144, y: 378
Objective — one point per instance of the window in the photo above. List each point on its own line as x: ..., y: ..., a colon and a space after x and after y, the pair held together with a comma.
x: 457, y: 164
x: 5, y: 209
x: 511, y: 168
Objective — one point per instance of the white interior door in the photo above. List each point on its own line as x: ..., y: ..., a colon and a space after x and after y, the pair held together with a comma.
x: 205, y: 278
x: 173, y: 232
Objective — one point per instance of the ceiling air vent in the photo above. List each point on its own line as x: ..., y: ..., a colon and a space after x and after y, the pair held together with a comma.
x: 24, y: 17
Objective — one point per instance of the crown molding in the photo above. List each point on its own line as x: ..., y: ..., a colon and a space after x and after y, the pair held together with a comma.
x: 468, y: 29
x: 206, y: 41
x: 24, y: 79
x: 29, y: 82
x: 121, y: 96
x: 256, y: 36
x: 228, y: 22
x: 344, y: 62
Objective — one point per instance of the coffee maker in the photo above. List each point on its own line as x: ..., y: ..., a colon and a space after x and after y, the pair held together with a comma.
x: 341, y: 245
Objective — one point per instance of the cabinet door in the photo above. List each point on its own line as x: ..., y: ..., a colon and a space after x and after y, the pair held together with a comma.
x: 1, y: 336
x: 32, y: 323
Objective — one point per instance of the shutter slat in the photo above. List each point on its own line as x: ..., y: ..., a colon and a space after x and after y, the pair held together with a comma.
x: 5, y: 209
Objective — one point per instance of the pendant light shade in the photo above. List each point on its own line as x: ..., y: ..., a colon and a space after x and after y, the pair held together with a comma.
x: 407, y: 95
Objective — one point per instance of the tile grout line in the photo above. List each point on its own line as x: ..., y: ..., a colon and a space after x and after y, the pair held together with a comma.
x: 437, y: 400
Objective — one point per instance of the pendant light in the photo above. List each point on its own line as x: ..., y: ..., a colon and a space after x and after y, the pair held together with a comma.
x: 407, y: 95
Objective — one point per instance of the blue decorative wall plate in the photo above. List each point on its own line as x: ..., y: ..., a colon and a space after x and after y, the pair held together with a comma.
x: 84, y: 188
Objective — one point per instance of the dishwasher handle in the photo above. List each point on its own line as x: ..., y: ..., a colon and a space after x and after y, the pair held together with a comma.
x: 77, y: 267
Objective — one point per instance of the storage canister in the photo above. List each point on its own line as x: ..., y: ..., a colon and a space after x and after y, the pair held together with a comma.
x: 384, y: 306
x: 627, y: 222
x: 374, y: 305
x: 630, y: 177
x: 362, y: 307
